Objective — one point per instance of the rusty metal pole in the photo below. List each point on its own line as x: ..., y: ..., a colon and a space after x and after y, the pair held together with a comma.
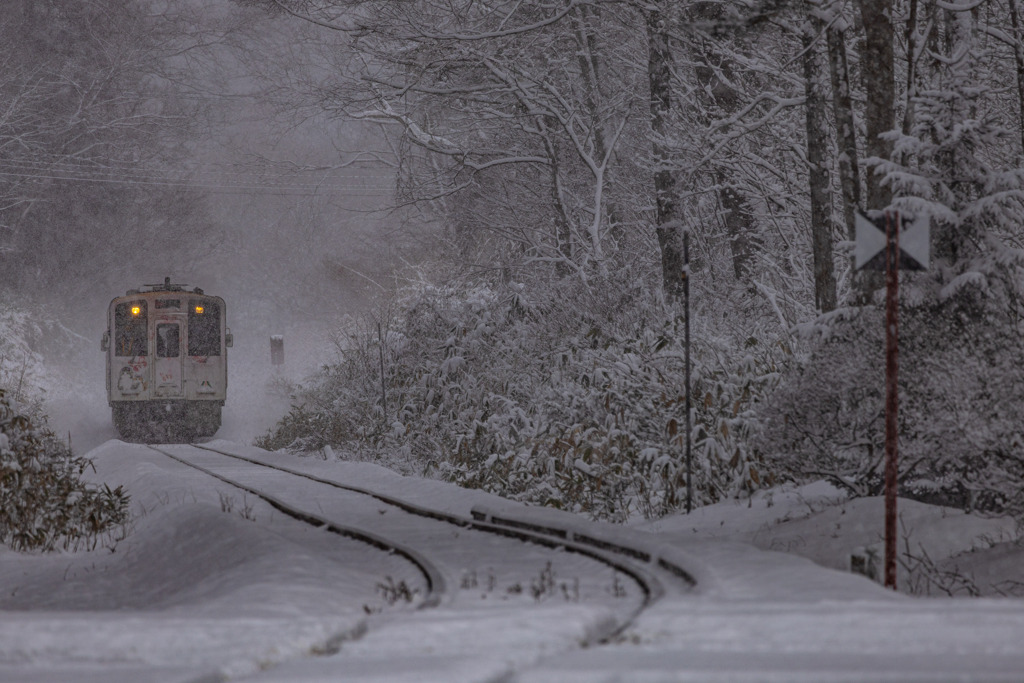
x: 892, y: 279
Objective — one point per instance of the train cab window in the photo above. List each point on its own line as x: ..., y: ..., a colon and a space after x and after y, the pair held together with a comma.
x: 203, y: 328
x: 168, y: 343
x: 130, y: 322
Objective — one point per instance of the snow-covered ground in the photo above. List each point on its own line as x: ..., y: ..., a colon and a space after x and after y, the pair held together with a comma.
x: 209, y: 584
x: 969, y: 552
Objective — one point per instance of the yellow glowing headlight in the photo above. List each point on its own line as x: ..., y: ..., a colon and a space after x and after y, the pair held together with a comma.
x: 199, y: 310
x: 136, y: 310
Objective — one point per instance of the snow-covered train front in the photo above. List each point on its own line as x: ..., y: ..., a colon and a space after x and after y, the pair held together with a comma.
x: 167, y: 363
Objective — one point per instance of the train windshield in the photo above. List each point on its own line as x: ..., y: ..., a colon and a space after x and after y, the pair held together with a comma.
x: 167, y: 342
x: 203, y: 328
x: 130, y: 320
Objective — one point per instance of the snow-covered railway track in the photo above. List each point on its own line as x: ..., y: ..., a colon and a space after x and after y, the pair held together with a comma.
x: 464, y: 559
x: 433, y: 579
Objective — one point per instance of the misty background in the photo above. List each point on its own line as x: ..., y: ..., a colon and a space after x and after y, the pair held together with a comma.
x: 145, y: 140
x: 483, y: 228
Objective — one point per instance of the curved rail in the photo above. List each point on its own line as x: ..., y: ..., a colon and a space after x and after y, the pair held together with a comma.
x: 432, y: 575
x: 607, y: 553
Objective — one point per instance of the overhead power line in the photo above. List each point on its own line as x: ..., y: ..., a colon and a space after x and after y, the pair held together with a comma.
x: 91, y: 167
x: 213, y: 181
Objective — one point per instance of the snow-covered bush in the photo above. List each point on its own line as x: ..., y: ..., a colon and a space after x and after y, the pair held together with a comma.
x: 43, y: 500
x: 826, y: 418
x: 961, y: 385
x: 573, y: 399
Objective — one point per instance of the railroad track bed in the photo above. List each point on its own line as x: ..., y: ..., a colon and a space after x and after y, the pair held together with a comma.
x: 206, y: 583
x: 214, y: 583
x: 242, y: 566
x: 506, y: 590
x: 461, y: 560
x: 660, y: 567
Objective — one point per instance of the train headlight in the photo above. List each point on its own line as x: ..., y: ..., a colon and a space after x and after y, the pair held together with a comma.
x: 199, y: 310
x: 136, y: 310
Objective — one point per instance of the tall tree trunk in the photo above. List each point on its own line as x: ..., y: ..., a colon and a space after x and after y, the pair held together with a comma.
x: 562, y: 232
x: 880, y: 86
x: 911, y: 38
x: 1018, y: 55
x: 863, y: 282
x: 715, y: 73
x: 668, y: 225
x: 818, y: 172
x: 846, y: 131
x: 736, y: 215
x: 956, y: 74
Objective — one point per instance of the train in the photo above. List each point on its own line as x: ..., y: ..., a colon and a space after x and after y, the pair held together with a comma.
x: 167, y: 363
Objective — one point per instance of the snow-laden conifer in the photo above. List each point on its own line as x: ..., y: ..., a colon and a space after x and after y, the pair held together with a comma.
x: 960, y: 331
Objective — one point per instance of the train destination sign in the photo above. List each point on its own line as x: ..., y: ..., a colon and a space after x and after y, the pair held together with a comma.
x: 914, y: 240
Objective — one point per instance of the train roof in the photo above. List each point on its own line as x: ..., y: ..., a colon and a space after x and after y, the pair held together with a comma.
x: 165, y: 287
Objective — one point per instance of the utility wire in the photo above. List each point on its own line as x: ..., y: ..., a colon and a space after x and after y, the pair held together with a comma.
x: 299, y: 189
x: 125, y: 166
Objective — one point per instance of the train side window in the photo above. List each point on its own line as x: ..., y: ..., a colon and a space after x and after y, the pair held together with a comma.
x: 168, y: 343
x: 203, y: 328
x: 130, y: 321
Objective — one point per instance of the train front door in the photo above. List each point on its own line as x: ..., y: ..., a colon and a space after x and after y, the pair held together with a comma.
x: 168, y: 365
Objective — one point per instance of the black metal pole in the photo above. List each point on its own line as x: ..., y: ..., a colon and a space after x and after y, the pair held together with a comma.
x: 892, y: 279
x: 686, y: 307
x: 383, y: 384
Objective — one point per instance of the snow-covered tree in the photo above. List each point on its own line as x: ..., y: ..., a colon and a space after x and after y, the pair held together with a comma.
x: 90, y: 123
x: 954, y: 164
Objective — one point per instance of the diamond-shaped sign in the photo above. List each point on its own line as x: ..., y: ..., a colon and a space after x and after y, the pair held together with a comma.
x: 914, y: 242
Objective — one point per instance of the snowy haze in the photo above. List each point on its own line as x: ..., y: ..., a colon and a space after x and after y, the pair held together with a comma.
x: 490, y: 195
x: 300, y: 231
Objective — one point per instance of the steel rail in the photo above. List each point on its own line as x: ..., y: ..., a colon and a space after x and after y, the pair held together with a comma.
x: 606, y: 553
x: 435, y: 580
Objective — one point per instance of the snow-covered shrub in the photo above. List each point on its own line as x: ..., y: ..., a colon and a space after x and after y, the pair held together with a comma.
x: 732, y: 388
x: 43, y: 500
x: 825, y: 419
x: 961, y: 385
x: 573, y: 399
